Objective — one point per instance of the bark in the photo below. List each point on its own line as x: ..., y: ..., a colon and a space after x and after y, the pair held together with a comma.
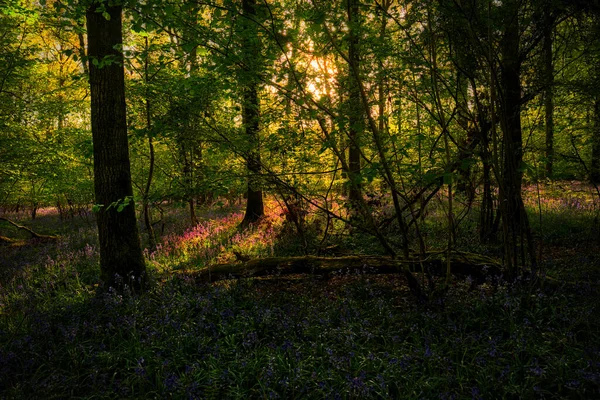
x: 549, y: 95
x: 487, y: 230
x: 514, y: 217
x: 355, y: 115
x: 81, y: 49
x: 595, y: 165
x: 251, y: 114
x: 463, y: 264
x: 121, y: 260
x: 147, y: 215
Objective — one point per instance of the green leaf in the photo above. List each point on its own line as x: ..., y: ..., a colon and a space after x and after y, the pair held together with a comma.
x: 188, y: 47
x: 448, y: 178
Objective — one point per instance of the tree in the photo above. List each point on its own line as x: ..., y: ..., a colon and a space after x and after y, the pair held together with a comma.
x: 251, y: 111
x: 121, y: 260
x: 595, y: 74
x: 549, y: 93
x: 355, y: 115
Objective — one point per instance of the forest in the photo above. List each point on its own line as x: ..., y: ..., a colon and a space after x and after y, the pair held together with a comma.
x: 345, y: 199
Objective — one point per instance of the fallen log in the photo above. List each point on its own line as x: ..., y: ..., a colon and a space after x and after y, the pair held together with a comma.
x: 6, y: 240
x: 32, y: 233
x: 477, y: 266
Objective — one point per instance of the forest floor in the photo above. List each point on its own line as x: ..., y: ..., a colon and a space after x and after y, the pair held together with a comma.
x: 350, y: 336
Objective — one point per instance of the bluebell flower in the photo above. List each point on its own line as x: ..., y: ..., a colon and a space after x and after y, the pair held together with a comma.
x: 286, y: 345
x: 428, y: 352
x: 537, y: 370
x: 171, y: 382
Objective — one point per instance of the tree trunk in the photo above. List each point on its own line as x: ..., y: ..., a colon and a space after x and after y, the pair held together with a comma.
x: 514, y: 217
x: 81, y: 49
x: 251, y: 113
x: 487, y: 230
x: 147, y: 215
x: 355, y: 116
x: 595, y: 168
x: 594, y: 60
x: 549, y: 95
x: 121, y: 260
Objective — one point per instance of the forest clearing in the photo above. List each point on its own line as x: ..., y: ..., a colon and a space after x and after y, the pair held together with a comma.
x: 350, y: 199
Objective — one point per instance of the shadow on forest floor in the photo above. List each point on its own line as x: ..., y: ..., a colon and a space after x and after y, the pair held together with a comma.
x: 351, y: 336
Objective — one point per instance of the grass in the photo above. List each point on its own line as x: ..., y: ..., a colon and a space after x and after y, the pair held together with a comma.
x: 348, y: 337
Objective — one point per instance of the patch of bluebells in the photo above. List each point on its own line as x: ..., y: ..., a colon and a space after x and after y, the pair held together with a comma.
x: 181, y: 336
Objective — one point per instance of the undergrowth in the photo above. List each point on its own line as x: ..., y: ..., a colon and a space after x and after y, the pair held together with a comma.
x: 351, y: 336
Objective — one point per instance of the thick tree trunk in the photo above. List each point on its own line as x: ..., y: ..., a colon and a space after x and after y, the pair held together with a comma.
x: 251, y: 114
x: 514, y: 217
x: 355, y: 116
x: 121, y: 260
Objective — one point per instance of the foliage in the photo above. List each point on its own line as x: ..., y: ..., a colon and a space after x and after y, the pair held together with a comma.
x: 351, y: 337
x: 416, y: 91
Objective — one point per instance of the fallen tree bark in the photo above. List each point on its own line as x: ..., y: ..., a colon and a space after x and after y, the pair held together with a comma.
x: 466, y: 264
x: 32, y: 233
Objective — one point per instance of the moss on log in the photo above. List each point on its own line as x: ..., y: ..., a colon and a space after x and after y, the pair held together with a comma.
x: 466, y: 264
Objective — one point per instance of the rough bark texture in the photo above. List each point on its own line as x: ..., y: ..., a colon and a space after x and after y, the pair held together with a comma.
x: 251, y: 114
x: 121, y: 260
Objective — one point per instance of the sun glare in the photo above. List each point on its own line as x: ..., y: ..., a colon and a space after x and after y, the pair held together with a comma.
x: 323, y: 77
